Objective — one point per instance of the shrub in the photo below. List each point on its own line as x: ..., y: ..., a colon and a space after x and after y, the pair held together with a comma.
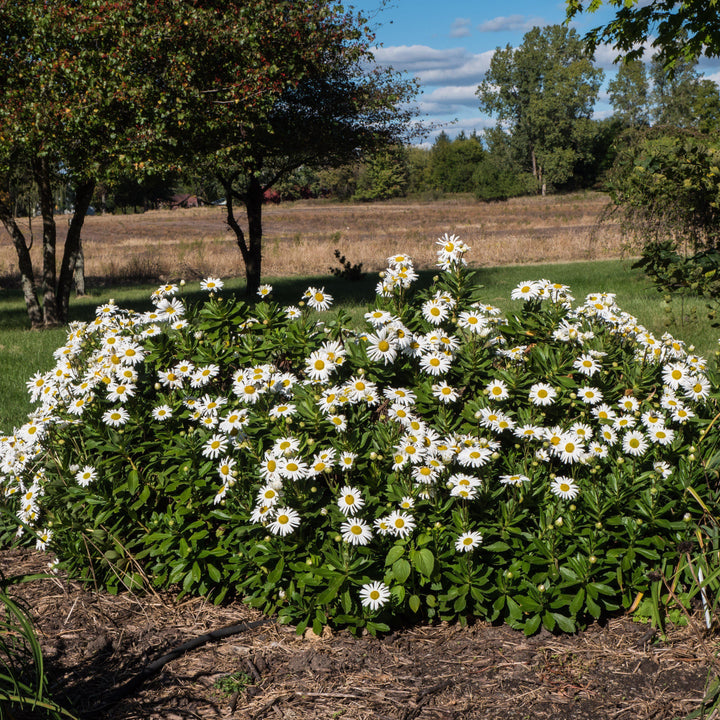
x: 442, y: 461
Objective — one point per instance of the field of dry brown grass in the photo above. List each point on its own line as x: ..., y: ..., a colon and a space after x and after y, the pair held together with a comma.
x: 300, y: 237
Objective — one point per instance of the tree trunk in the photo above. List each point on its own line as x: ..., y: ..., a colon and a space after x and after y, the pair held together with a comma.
x: 253, y: 263
x: 27, y: 276
x: 79, y: 273
x: 73, y: 247
x: 250, y: 247
x: 41, y: 172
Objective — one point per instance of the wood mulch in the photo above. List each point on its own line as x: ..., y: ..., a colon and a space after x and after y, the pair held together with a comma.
x: 96, y: 645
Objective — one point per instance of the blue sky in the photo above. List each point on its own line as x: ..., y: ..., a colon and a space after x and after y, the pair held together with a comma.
x: 448, y: 44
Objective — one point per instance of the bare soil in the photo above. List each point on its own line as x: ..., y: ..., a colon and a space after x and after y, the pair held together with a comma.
x: 95, y: 644
x: 300, y: 238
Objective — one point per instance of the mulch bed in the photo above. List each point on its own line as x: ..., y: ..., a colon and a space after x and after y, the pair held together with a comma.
x: 95, y: 644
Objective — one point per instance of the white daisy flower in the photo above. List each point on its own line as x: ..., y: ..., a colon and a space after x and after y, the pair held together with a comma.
x: 350, y: 500
x: 514, y: 479
x: 381, y: 347
x: 435, y: 363
x: 542, y: 394
x: 116, y: 417
x: 401, y: 524
x: 214, y: 446
x: 587, y: 365
x: 682, y: 414
x: 444, y: 393
x: 225, y: 469
x: 356, y: 531
x: 162, y: 412
x: 696, y: 387
x: 564, y: 487
x: 86, y: 475
x: 661, y: 435
x: 293, y: 469
x: 526, y: 291
x: 468, y: 541
x: 318, y: 299
x: 339, y: 422
x: 283, y: 410
x: 261, y: 513
x: 400, y: 396
x: 286, y: 520
x: 319, y: 366
x: 589, y: 395
x: 464, y: 493
x: 435, y: 311
x: 374, y: 595
x: 634, y: 443
x: 497, y: 390
x: 268, y: 495
x: 211, y: 284
x: 347, y: 460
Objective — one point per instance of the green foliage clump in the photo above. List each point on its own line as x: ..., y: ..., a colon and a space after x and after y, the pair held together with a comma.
x: 439, y: 462
x: 665, y: 185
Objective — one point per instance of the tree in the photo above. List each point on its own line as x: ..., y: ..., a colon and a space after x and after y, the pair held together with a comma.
x: 340, y: 107
x: 544, y: 92
x: 679, y: 30
x: 101, y: 88
x: 666, y: 185
x: 452, y: 163
x: 629, y: 94
x: 384, y: 175
x: 673, y: 94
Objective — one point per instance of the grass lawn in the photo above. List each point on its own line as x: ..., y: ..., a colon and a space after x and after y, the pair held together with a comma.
x: 23, y: 352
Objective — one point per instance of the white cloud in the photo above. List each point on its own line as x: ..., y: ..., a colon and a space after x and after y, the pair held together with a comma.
x: 436, y: 67
x: 512, y: 23
x: 455, y: 94
x: 460, y: 27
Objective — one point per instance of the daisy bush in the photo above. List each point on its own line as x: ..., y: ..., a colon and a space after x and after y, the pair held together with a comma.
x: 437, y: 460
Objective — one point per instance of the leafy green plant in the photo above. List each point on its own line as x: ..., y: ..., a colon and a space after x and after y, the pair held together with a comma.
x: 233, y: 683
x: 695, y: 275
x: 440, y: 461
x: 23, y: 683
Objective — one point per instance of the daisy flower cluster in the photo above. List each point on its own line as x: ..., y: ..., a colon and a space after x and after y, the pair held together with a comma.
x: 259, y: 449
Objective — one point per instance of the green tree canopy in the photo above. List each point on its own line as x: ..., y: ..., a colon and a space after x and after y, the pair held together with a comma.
x: 629, y: 94
x: 98, y: 89
x: 543, y: 92
x: 678, y: 30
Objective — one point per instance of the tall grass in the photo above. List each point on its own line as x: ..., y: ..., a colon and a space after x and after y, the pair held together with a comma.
x: 23, y: 352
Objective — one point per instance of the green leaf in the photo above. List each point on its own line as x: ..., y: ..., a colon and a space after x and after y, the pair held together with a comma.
x: 414, y: 603
x: 548, y: 620
x: 213, y: 572
x: 395, y: 553
x: 424, y: 562
x: 566, y: 624
x: 577, y: 602
x: 401, y: 570
x: 532, y: 624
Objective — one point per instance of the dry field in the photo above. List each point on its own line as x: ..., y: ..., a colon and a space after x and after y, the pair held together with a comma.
x: 300, y: 238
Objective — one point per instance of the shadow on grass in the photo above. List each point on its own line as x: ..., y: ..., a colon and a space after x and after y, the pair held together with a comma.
x: 286, y: 291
